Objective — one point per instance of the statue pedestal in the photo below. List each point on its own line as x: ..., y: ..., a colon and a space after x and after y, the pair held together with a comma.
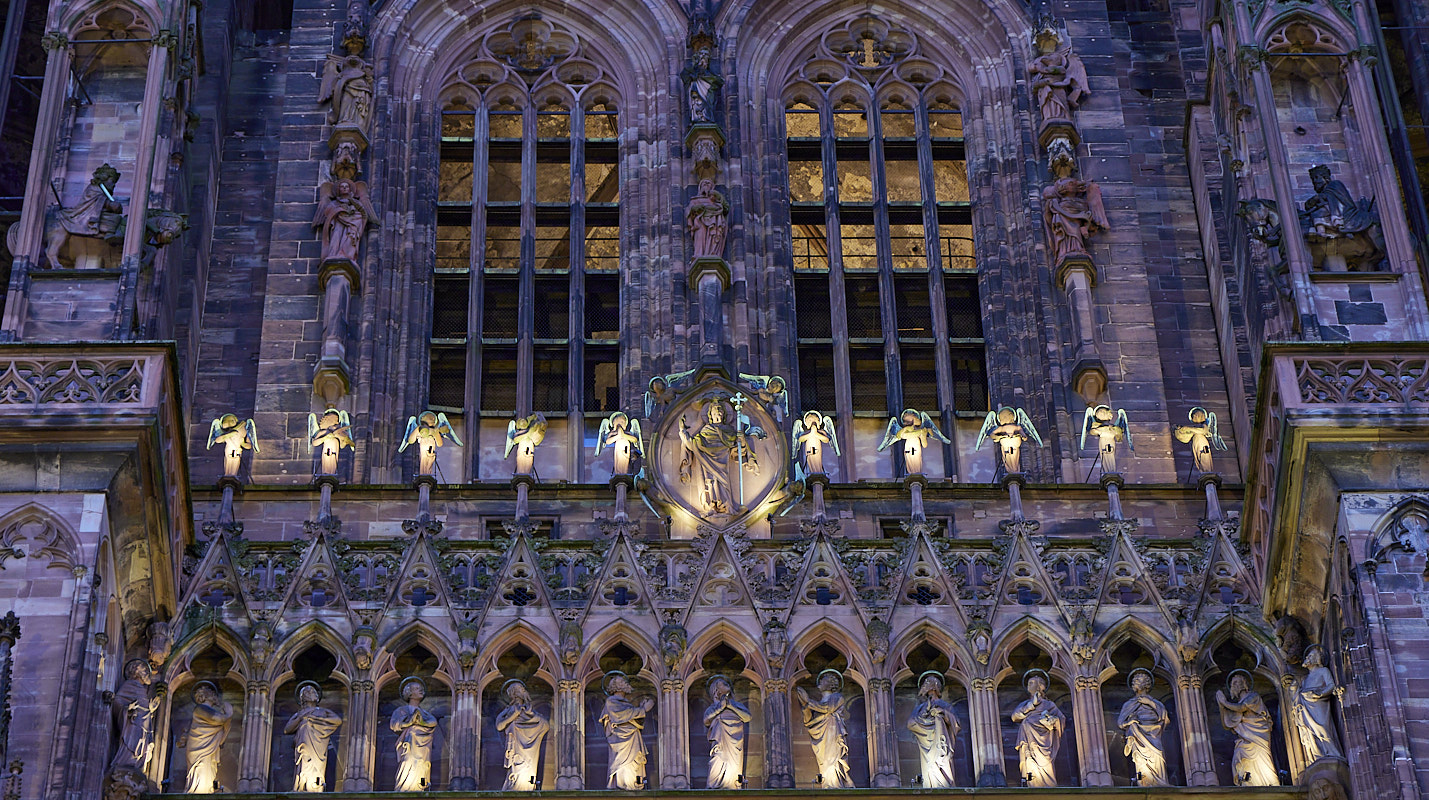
x: 1076, y: 275
x: 332, y: 379
x: 711, y: 276
x: 704, y: 142
x: 347, y: 132
x: 1055, y: 129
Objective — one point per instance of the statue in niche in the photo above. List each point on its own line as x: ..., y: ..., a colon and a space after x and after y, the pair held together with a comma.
x: 664, y: 389
x: 727, y: 726
x: 235, y: 436
x: 415, y: 728
x: 712, y: 451
x: 622, y: 435
x: 1244, y: 713
x: 1072, y: 210
x: 623, y: 721
x: 312, y: 729
x: 776, y: 643
x: 1109, y: 428
x: 1310, y: 707
x: 95, y: 216
x: 133, y: 706
x: 771, y: 391
x: 707, y: 216
x: 1008, y: 428
x: 935, y: 731
x: 1143, y: 718
x: 329, y: 435
x: 913, y: 428
x: 1059, y: 79
x: 524, y: 435
x: 703, y: 85
x: 428, y: 431
x: 1039, y: 733
x: 525, y: 730
x: 826, y: 719
x: 344, y: 212
x: 1201, y: 435
x: 1343, y: 234
x: 347, y: 84
x: 204, y: 740
x: 811, y: 434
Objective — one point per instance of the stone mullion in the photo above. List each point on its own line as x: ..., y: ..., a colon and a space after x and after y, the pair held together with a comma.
x: 570, y: 735
x: 937, y: 293
x: 253, y: 763
x: 778, y: 752
x: 1195, y: 731
x: 135, y: 232
x: 575, y: 329
x: 674, y: 735
x: 466, y: 737
x: 882, y: 741
x: 361, y: 724
x: 887, y: 314
x: 986, y: 733
x: 526, y: 303
x: 838, y: 306
x: 1088, y: 719
x: 480, y: 160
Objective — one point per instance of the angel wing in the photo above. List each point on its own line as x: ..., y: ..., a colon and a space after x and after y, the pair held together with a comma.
x: 756, y: 381
x: 1087, y: 417
x: 331, y: 70
x: 510, y: 437
x: 601, y: 434
x: 251, y: 431
x: 1125, y: 425
x: 408, y: 437
x: 538, y: 429
x: 1027, y: 426
x: 213, y: 431
x: 988, y: 423
x: 639, y: 439
x: 444, y: 426
x: 365, y: 200
x: 1076, y: 78
x: 794, y: 435
x: 344, y: 418
x: 320, y: 214
x: 1095, y: 207
x: 671, y: 380
x: 833, y: 435
x: 890, y: 435
x: 312, y: 426
x: 933, y: 429
x: 1215, y: 436
x: 649, y: 404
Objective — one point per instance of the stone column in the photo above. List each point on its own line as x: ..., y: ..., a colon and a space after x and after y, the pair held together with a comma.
x: 1090, y: 723
x: 986, y: 733
x: 466, y: 737
x: 333, y: 377
x: 882, y: 741
x: 778, y: 756
x: 253, y: 764
x: 674, y: 734
x: 570, y: 753
x: 361, y: 724
x: 1195, y: 731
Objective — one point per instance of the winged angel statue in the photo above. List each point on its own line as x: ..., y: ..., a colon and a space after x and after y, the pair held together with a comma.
x: 812, y: 433
x: 427, y: 431
x: 523, y: 435
x: 1202, y: 435
x: 238, y: 436
x: 328, y: 435
x: 912, y: 428
x: 1109, y: 427
x: 622, y: 435
x: 1008, y: 428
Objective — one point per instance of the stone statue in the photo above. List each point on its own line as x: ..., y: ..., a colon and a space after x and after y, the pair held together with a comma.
x: 415, y: 728
x: 674, y: 640
x: 312, y: 729
x: 428, y: 431
x: 703, y: 85
x: 1008, y: 428
x: 161, y: 642
x: 912, y: 428
x: 95, y: 216
x: 1310, y: 707
x: 878, y: 633
x: 707, y: 216
x: 1109, y: 428
x: 1245, y: 714
x: 1143, y: 718
x: 826, y: 719
x: 727, y: 725
x: 329, y: 435
x: 570, y: 642
x: 622, y: 435
x: 1072, y: 210
x: 935, y: 730
x: 664, y: 389
x: 776, y: 643
x: 344, y: 212
x: 1201, y: 434
x: 715, y: 449
x: 133, y: 707
x: 811, y: 434
x: 1039, y: 733
x: 623, y: 721
x: 1290, y: 637
x: 524, y: 435
x: 1059, y: 79
x: 525, y: 730
x: 1342, y: 234
x: 204, y: 740
x: 235, y: 436
x: 347, y: 84
x: 771, y: 391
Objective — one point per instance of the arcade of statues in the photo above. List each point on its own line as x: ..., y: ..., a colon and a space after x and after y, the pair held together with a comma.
x: 731, y: 395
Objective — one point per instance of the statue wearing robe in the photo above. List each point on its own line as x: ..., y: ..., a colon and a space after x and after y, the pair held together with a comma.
x: 623, y: 723
x: 312, y: 728
x: 525, y: 730
x: 1039, y: 735
x: 1143, y: 718
x: 1247, y: 716
x: 934, y: 729
x: 1311, y: 710
x: 727, y: 726
x: 415, y: 728
x: 133, y: 706
x: 826, y: 719
x: 1072, y: 209
x: 204, y: 741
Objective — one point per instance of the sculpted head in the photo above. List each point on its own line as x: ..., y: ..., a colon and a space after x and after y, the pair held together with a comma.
x: 1239, y: 683
x: 1140, y: 681
x: 308, y: 694
x: 427, y: 419
x: 413, y: 690
x: 516, y: 693
x: 1320, y: 177
x: 1036, y: 682
x: 829, y: 681
x: 138, y: 669
x: 1314, y: 657
x: 776, y: 385
x: 1197, y: 415
x: 620, y: 685
x: 720, y: 688
x: 205, y: 694
x: 932, y: 684
x: 1006, y: 416
x: 707, y: 187
x: 812, y: 420
x: 228, y: 421
x: 716, y: 413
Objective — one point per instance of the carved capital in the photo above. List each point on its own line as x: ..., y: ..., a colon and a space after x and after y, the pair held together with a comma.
x: 776, y: 686
x: 1189, y: 681
x: 880, y: 685
x: 1251, y: 56
x: 1086, y: 683
x: 257, y: 687
x: 165, y: 38
x: 363, y: 686
x: 54, y: 40
x: 984, y: 685
x: 1367, y: 53
x: 467, y: 687
x: 569, y: 686
x: 672, y: 685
